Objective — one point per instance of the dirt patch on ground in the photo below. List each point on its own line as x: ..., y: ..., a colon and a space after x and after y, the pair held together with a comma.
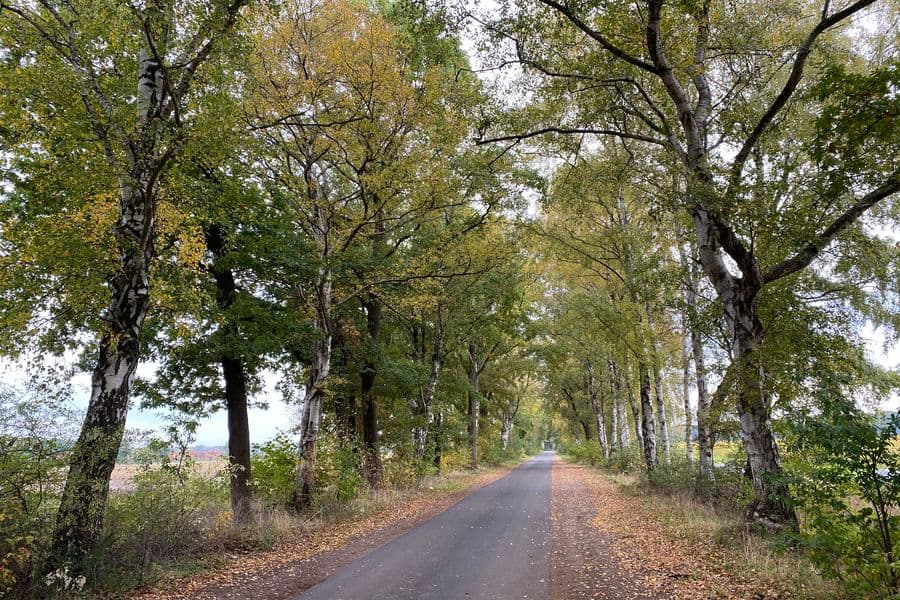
x: 584, y: 561
x: 646, y: 549
x: 314, y: 555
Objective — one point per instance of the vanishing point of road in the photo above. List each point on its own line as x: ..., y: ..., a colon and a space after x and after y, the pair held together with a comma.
x: 493, y: 545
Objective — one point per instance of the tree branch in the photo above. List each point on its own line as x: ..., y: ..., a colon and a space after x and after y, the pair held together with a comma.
x: 789, y: 88
x: 598, y: 37
x: 811, y: 250
x: 518, y: 137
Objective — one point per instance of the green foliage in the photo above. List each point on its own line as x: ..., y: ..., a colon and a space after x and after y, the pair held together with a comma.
x: 166, y: 515
x: 273, y: 468
x: 338, y: 469
x: 848, y: 486
x: 35, y: 433
x: 584, y: 451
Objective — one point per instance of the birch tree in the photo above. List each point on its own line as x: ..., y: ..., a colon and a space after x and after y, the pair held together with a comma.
x: 133, y: 94
x: 692, y: 81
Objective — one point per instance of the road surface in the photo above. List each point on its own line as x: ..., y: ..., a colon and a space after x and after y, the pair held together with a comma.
x: 492, y: 545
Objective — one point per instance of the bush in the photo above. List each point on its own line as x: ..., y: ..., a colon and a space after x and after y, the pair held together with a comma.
x: 675, y: 477
x: 166, y: 515
x: 849, y: 491
x: 584, y: 451
x: 272, y: 471
x: 339, y: 479
x: 35, y: 433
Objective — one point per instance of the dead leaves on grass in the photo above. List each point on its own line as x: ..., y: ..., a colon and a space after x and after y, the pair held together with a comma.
x: 660, y: 556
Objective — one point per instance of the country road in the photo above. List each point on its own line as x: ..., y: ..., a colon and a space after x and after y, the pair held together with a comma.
x: 495, y: 545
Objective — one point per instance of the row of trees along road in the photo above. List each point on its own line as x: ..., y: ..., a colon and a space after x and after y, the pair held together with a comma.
x: 228, y: 189
x: 328, y: 192
x: 768, y: 125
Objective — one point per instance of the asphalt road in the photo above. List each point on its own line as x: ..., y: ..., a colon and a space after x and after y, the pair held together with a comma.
x: 494, y: 544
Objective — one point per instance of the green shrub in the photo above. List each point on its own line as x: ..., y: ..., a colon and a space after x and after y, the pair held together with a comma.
x: 35, y: 432
x: 339, y: 479
x: 166, y: 515
x: 674, y: 477
x: 584, y: 451
x: 847, y: 470
x: 272, y: 471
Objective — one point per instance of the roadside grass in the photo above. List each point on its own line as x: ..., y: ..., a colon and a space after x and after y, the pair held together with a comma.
x: 680, y: 517
x: 274, y: 531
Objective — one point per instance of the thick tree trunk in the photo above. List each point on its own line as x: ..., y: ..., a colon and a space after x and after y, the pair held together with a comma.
x: 313, y: 398
x: 648, y: 431
x: 771, y: 503
x: 686, y: 393
x: 474, y: 408
x: 235, y: 383
x: 238, y: 438
x: 372, y: 470
x: 79, y: 520
x: 739, y: 297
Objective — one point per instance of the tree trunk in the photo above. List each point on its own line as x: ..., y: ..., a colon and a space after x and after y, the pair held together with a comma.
x: 474, y: 405
x: 661, y: 421
x: 686, y: 391
x: 311, y: 417
x: 238, y: 438
x: 624, y: 433
x: 438, y: 440
x: 636, y: 417
x: 615, y: 440
x: 620, y: 420
x: 648, y: 432
x: 771, y: 503
x: 599, y: 410
x: 372, y: 470
x: 705, y: 436
x: 505, y: 428
x: 661, y: 415
x: 585, y: 425
x: 235, y: 382
x: 79, y: 520
x: 423, y: 409
x: 739, y: 297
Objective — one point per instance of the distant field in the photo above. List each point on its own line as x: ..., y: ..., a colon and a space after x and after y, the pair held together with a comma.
x: 124, y: 473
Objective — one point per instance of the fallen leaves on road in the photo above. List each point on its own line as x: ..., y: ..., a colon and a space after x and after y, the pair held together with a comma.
x: 582, y: 563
